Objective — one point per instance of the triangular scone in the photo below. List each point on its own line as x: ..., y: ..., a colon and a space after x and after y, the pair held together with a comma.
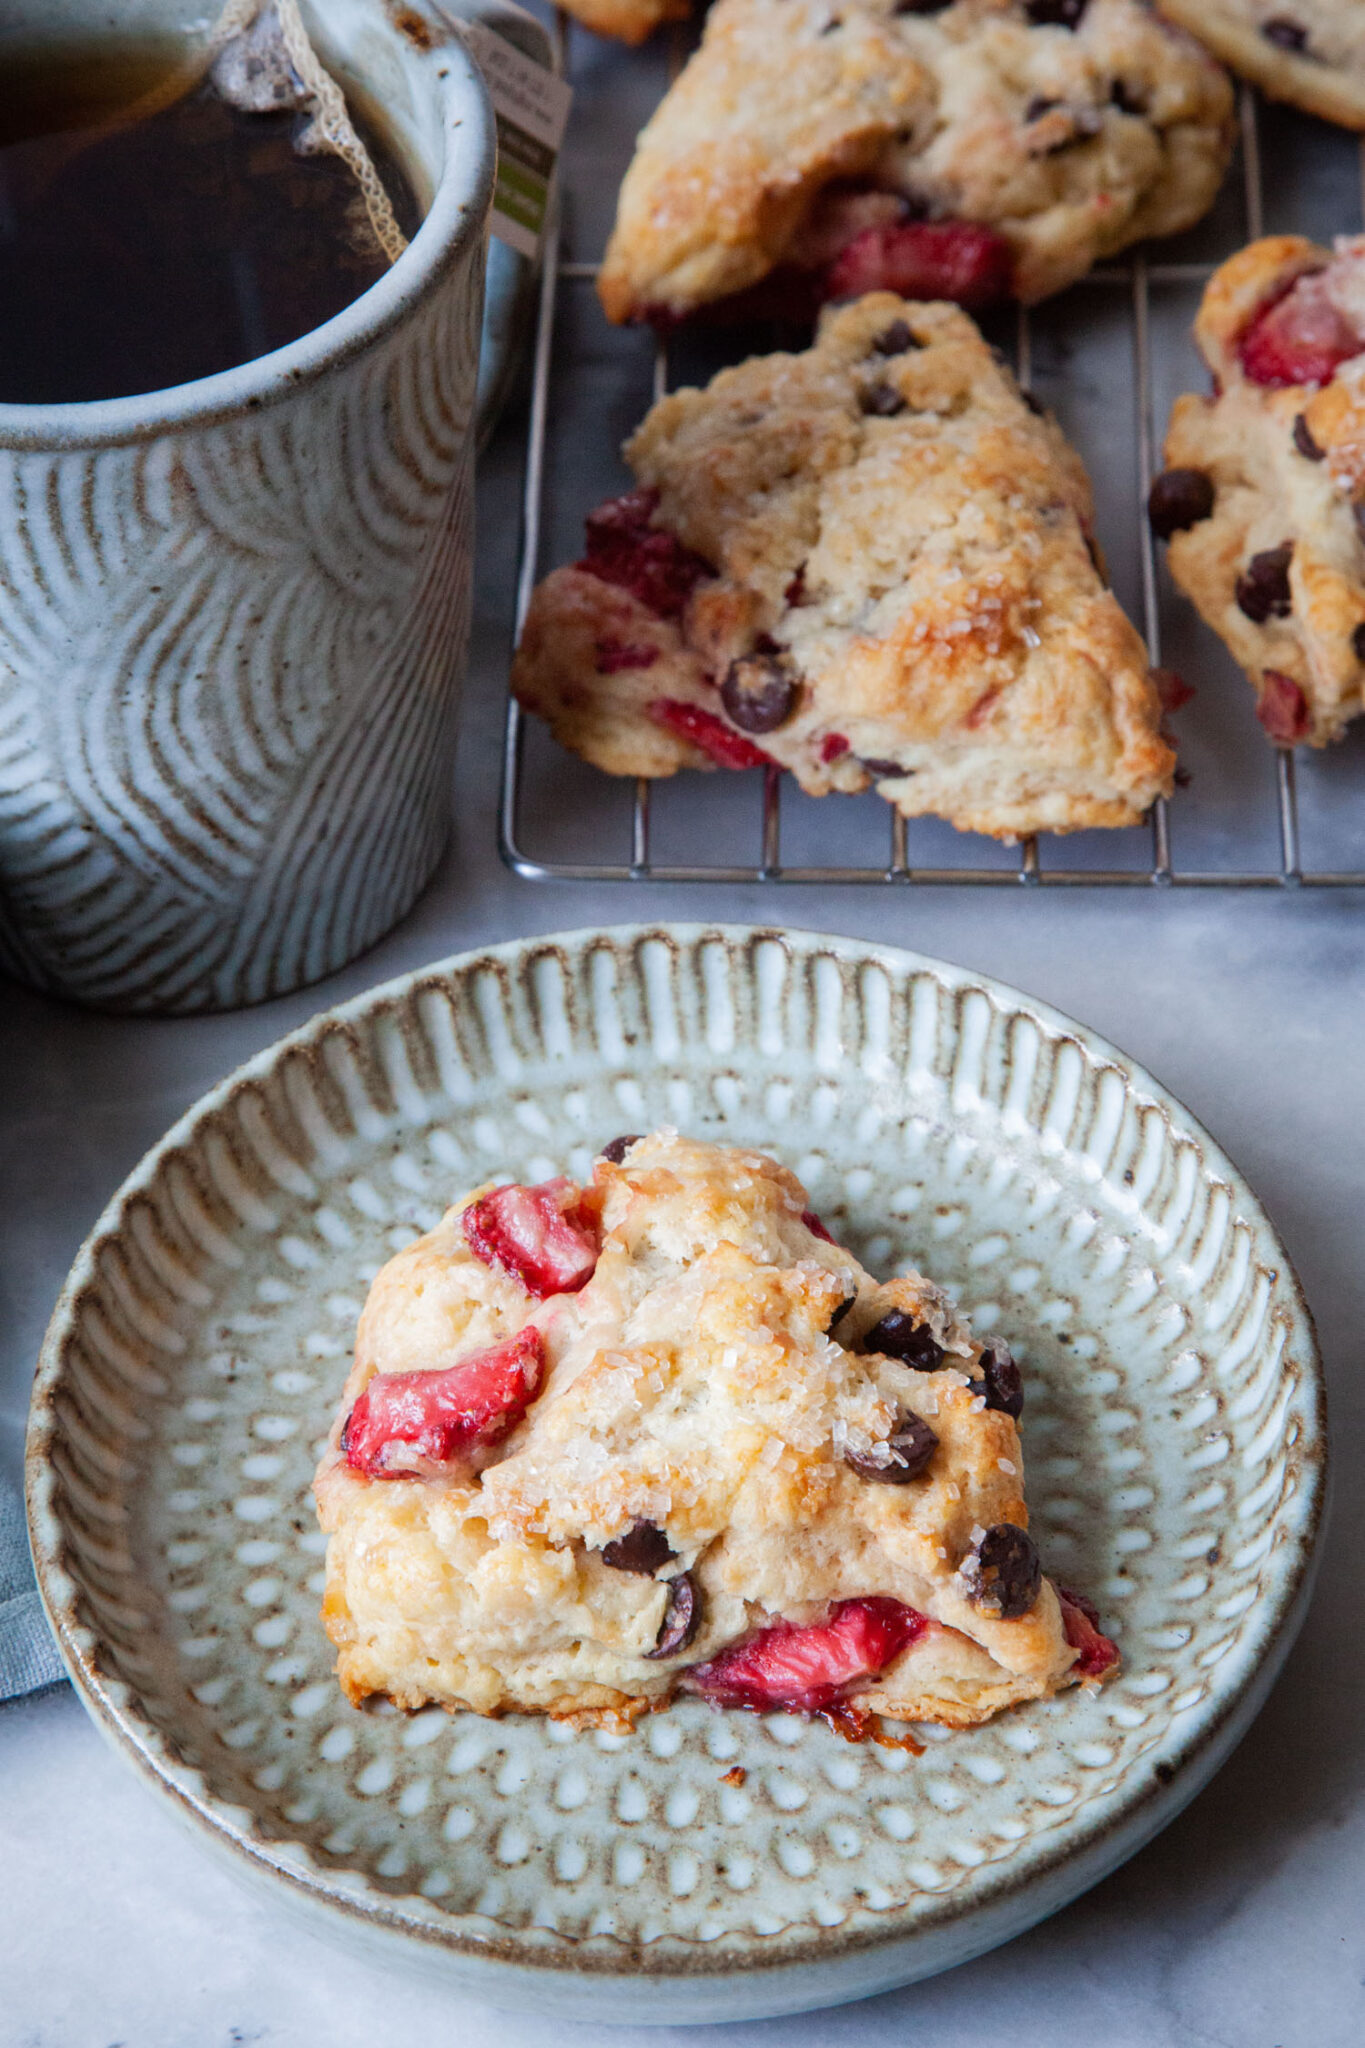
x: 1263, y: 500
x: 868, y: 562
x: 601, y: 1444
x: 1308, y: 52
x: 966, y: 151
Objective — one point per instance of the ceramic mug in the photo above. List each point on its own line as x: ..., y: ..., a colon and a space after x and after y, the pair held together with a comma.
x: 233, y: 614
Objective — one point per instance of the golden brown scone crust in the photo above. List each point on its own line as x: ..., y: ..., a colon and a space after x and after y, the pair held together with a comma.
x: 691, y: 1383
x: 951, y: 621
x: 629, y: 21
x: 1326, y: 77
x: 1269, y: 493
x: 777, y: 104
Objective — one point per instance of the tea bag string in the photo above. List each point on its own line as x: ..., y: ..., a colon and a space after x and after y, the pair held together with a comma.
x: 331, y: 122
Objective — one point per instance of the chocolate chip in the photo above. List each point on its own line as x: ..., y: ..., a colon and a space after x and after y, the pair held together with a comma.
x: 840, y: 1312
x: 1284, y: 33
x: 642, y: 1549
x: 882, y: 401
x: 1004, y: 1384
x: 1179, y: 498
x: 1038, y: 106
x: 921, y: 6
x: 835, y: 21
x: 1004, y: 1572
x: 1304, y: 442
x: 757, y: 693
x: 1127, y: 99
x: 1054, y: 13
x: 682, y: 1617
x: 895, y: 339
x: 1262, y: 589
x: 898, y: 1335
x: 1358, y: 641
x: 1358, y: 514
x: 618, y: 1148
x: 912, y: 1444
x: 876, y: 767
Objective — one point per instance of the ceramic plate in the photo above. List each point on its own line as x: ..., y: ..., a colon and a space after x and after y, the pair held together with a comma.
x: 1174, y: 1435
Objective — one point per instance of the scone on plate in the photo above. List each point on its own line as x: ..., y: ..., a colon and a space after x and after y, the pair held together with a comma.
x: 1263, y: 498
x: 661, y: 1433
x: 1308, y: 52
x: 870, y: 562
x: 969, y: 151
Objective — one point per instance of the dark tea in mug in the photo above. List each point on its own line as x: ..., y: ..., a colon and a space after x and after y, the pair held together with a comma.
x: 153, y: 231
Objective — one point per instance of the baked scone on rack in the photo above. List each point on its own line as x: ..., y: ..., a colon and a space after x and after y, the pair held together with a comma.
x: 601, y: 1444
x: 1310, y: 53
x: 869, y: 562
x: 1263, y: 498
x: 628, y: 21
x: 971, y: 151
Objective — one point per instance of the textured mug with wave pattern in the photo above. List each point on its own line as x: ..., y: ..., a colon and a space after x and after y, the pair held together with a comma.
x: 1174, y: 1433
x: 230, y: 653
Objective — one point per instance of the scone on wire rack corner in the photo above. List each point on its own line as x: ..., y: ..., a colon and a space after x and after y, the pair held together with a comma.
x: 977, y: 150
x: 870, y: 562
x: 1310, y: 53
x: 601, y: 1444
x: 1263, y: 498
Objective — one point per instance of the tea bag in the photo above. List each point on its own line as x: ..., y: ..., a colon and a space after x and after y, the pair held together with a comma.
x: 266, y: 64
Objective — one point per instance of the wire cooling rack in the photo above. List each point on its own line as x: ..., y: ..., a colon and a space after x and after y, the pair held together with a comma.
x: 1246, y: 798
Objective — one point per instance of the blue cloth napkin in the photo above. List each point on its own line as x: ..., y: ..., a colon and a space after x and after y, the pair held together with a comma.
x: 28, y: 1655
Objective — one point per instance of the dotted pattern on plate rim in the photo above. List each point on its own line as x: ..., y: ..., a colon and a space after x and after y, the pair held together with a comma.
x: 1162, y: 1430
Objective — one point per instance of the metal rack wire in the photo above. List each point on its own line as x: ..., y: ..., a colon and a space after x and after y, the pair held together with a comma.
x: 1134, y: 278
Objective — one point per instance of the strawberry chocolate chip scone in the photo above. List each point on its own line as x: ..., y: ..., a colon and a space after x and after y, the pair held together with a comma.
x: 628, y: 21
x: 662, y: 1433
x: 871, y: 562
x: 1262, y: 502
x: 963, y: 149
x: 1308, y: 52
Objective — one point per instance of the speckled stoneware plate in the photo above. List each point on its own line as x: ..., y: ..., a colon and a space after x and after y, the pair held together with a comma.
x: 1174, y: 1435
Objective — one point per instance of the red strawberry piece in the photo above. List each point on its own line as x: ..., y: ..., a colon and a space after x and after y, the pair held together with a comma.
x: 1172, y: 689
x: 613, y: 655
x: 1299, y: 338
x: 832, y: 747
x: 1283, y: 709
x: 625, y: 549
x: 816, y: 1227
x: 727, y: 748
x: 924, y: 259
x: 545, y: 1237
x: 806, y: 1670
x: 1081, y: 1624
x: 417, y: 1424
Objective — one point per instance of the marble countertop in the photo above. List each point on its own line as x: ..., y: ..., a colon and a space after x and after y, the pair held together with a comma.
x: 1239, y: 1927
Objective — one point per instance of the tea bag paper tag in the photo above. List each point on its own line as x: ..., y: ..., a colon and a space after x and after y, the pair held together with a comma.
x: 532, y: 106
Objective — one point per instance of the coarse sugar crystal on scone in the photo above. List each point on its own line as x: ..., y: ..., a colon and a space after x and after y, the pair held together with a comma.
x: 1262, y: 502
x: 975, y: 151
x: 661, y: 1433
x: 1310, y: 53
x: 871, y: 562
